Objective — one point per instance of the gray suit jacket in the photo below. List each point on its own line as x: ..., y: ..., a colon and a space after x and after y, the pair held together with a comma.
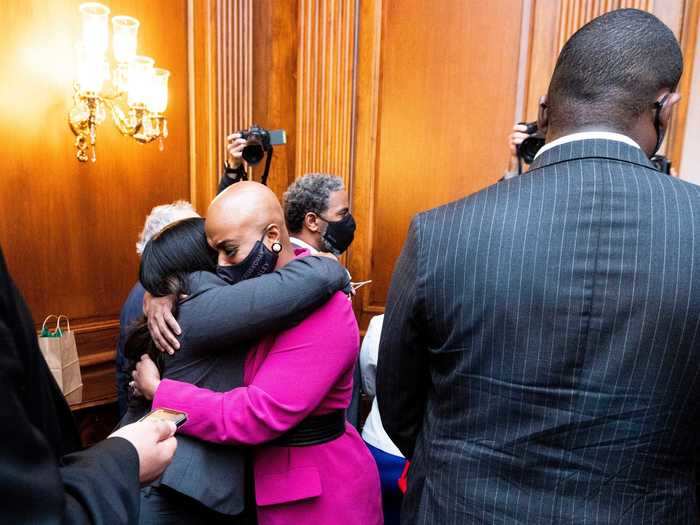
x: 219, y: 323
x: 540, y: 360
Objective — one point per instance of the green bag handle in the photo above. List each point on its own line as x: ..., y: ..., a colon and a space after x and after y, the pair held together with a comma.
x: 57, y: 332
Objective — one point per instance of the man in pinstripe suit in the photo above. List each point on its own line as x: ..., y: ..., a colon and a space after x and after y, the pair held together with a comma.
x: 539, y: 362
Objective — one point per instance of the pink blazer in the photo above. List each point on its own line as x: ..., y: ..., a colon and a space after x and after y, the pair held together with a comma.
x: 306, y: 370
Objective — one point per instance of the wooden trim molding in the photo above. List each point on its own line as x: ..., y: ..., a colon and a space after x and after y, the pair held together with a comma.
x: 688, y: 39
x: 202, y: 97
x: 366, y: 148
x: 325, y: 81
x: 234, y: 95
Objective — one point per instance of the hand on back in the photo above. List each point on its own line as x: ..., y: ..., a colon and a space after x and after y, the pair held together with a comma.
x: 162, y: 324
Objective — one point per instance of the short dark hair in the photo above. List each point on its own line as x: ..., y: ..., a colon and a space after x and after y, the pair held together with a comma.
x: 178, y: 250
x: 611, y: 69
x: 308, y: 194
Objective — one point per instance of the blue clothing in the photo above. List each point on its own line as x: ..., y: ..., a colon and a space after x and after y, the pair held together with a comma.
x: 131, y: 311
x: 390, y: 469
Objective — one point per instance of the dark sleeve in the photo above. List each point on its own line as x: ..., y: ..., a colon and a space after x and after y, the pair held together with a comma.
x: 99, y: 485
x: 229, y: 315
x: 228, y: 177
x: 102, y: 483
x: 402, y: 367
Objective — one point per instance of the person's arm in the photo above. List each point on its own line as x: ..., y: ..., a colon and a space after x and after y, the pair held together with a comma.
x: 297, y: 374
x: 264, y: 305
x: 402, y: 368
x: 99, y: 485
x: 234, y: 169
x: 368, y: 355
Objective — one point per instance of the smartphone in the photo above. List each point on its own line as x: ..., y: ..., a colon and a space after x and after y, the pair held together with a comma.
x: 166, y: 414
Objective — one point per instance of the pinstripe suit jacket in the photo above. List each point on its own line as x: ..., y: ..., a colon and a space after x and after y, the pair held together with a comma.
x: 539, y: 360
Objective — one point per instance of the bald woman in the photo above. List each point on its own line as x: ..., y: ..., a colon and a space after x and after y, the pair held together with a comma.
x: 310, y: 466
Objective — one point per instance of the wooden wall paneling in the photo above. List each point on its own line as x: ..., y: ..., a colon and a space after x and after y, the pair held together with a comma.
x: 205, y: 168
x: 235, y: 64
x: 445, y: 102
x: 367, y: 116
x: 543, y: 53
x: 325, y: 80
x: 679, y: 128
x: 275, y: 46
x: 68, y: 229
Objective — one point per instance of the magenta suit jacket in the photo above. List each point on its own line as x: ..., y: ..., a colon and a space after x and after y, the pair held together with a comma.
x: 306, y: 370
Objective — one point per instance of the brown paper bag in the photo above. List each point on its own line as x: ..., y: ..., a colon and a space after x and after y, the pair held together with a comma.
x: 61, y: 354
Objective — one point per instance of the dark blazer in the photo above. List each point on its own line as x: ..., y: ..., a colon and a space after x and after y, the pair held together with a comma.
x: 219, y: 323
x: 131, y: 311
x: 539, y: 360
x: 43, y: 477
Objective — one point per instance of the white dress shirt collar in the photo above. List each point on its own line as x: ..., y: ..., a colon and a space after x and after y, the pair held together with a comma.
x: 587, y: 135
x: 301, y: 244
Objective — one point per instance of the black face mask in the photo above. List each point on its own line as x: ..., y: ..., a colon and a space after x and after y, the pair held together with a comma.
x: 260, y: 260
x: 339, y: 234
x: 657, y: 123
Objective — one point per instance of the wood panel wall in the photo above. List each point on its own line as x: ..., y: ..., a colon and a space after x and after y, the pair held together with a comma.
x: 409, y: 102
x: 235, y: 66
x: 325, y: 81
x: 434, y: 108
x: 68, y: 229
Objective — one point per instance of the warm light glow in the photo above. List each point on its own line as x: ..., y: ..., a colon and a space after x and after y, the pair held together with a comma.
x: 124, y: 38
x: 158, y: 101
x: 95, y: 19
x: 140, y: 79
x: 92, y: 71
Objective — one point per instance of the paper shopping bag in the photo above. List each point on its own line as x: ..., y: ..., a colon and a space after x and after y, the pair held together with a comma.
x: 61, y: 354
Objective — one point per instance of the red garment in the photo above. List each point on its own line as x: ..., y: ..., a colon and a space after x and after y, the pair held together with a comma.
x: 403, y: 479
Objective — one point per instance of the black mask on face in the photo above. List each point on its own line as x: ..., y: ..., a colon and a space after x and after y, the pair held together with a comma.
x: 260, y: 260
x: 657, y: 123
x: 339, y: 234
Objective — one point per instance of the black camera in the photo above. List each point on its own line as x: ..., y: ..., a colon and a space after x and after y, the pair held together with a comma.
x: 260, y: 141
x: 529, y: 147
x: 661, y: 163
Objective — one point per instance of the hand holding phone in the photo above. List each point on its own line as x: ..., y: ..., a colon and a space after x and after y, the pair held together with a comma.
x: 166, y: 414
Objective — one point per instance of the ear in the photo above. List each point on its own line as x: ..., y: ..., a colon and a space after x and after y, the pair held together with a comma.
x: 311, y: 222
x: 543, y: 116
x: 273, y: 233
x: 667, y: 109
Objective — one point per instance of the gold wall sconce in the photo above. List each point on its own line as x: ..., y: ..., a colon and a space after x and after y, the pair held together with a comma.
x: 100, y: 88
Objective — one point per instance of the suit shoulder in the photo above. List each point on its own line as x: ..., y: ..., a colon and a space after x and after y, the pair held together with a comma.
x: 440, y: 212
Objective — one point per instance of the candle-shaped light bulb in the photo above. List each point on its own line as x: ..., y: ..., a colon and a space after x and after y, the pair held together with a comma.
x: 158, y: 99
x: 124, y: 38
x: 95, y: 20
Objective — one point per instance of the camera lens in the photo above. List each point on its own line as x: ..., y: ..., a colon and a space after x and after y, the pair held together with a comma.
x: 253, y: 152
x: 529, y: 148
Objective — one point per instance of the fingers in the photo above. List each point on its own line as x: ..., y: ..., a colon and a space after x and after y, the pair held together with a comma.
x: 167, y: 448
x: 520, y: 127
x: 163, y: 430
x: 157, y: 337
x: 172, y: 324
x: 233, y: 136
x: 168, y: 341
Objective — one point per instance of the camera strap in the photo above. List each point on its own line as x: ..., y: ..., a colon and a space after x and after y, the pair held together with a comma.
x: 268, y: 161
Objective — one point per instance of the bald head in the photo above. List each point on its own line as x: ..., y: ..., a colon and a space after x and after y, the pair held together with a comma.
x: 246, y: 212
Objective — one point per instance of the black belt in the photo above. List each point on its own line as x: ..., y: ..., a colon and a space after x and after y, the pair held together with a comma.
x: 314, y: 430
